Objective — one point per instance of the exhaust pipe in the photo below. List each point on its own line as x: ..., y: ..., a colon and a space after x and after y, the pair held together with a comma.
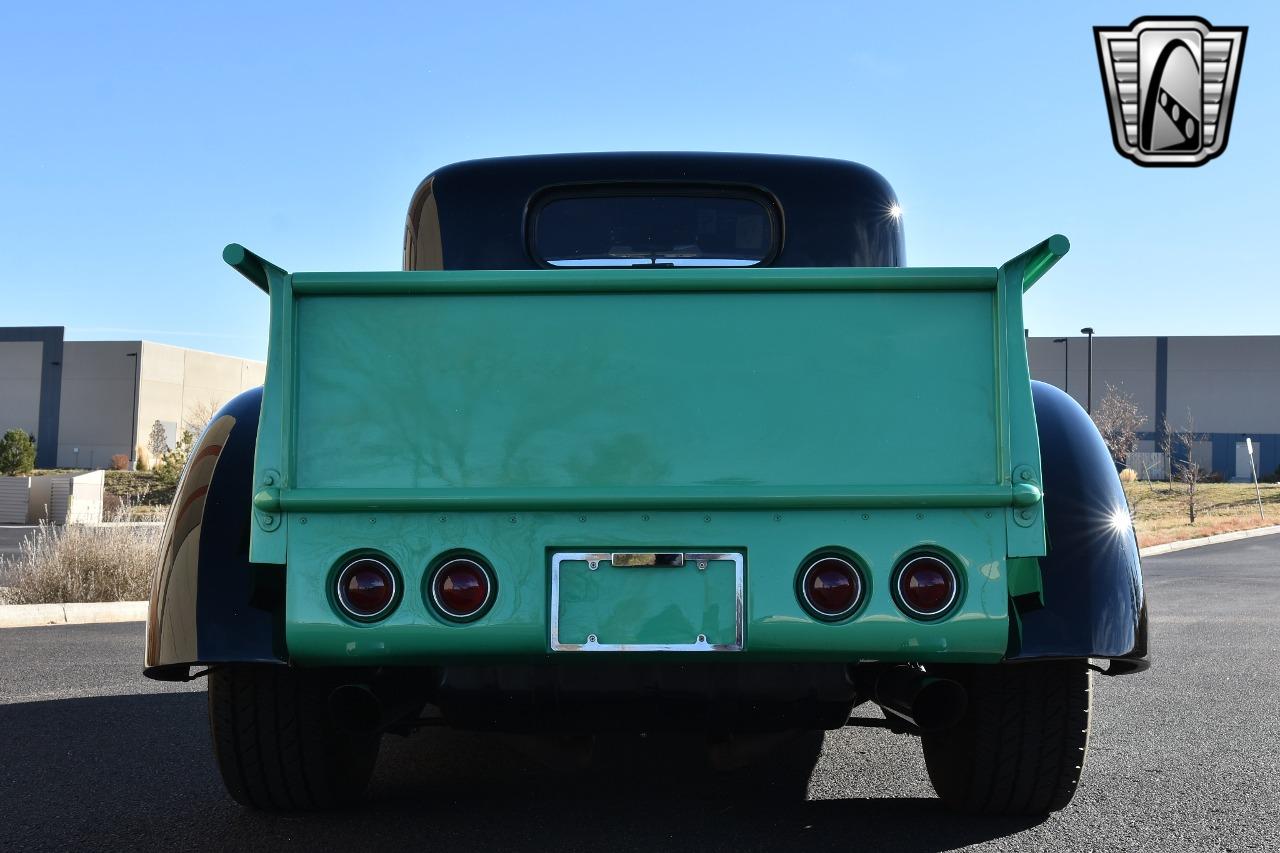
x: 356, y: 709
x: 376, y: 707
x: 925, y: 701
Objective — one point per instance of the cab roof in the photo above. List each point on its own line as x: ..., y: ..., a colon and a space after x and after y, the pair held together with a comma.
x: 477, y: 214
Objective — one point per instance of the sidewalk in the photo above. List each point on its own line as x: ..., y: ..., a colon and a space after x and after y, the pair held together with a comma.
x: 33, y: 615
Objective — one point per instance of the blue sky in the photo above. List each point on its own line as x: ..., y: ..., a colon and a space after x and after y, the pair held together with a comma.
x: 139, y: 139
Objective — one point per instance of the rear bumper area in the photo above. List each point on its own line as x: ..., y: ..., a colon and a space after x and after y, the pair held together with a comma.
x: 636, y: 696
x: 774, y: 626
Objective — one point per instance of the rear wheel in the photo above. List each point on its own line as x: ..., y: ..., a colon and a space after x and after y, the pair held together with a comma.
x: 1021, y: 745
x: 275, y: 743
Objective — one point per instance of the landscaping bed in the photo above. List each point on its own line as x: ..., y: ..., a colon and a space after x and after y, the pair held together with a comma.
x: 1160, y: 510
x: 128, y: 495
x: 141, y: 495
x: 82, y: 562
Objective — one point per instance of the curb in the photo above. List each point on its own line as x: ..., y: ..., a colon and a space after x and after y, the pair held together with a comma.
x: 1184, y: 544
x: 83, y: 613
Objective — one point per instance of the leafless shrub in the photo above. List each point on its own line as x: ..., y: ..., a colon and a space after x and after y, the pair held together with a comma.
x: 198, y: 416
x: 79, y: 562
x: 1166, y: 450
x: 1118, y: 419
x: 1185, y: 468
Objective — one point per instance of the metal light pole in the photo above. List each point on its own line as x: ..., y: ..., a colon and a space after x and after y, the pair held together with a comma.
x: 133, y: 443
x: 1088, y: 330
x: 1253, y: 469
x: 1066, y: 376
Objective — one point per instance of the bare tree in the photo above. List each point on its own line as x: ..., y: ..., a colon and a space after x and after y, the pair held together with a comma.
x: 157, y: 441
x: 1166, y: 450
x: 1182, y: 448
x: 199, y: 414
x: 1118, y: 418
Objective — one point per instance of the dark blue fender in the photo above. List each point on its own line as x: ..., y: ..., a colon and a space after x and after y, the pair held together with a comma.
x: 209, y: 604
x: 1093, y: 602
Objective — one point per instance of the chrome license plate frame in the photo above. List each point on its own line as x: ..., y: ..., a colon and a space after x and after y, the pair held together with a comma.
x: 703, y: 560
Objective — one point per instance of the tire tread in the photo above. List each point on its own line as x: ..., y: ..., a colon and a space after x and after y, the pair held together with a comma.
x: 1021, y: 745
x: 275, y: 745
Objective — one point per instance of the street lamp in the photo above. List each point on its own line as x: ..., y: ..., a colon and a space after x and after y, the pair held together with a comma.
x: 1066, y: 377
x: 133, y: 431
x: 1088, y: 407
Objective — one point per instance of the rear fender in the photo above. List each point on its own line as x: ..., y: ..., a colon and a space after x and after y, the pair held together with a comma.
x: 1093, y: 600
x: 209, y: 604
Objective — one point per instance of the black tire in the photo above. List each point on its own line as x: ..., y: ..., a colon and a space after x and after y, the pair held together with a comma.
x: 1021, y: 746
x: 276, y: 746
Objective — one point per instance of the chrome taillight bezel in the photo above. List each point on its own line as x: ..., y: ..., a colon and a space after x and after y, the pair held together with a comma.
x: 852, y: 568
x: 901, y: 572
x: 340, y: 594
x: 436, y: 574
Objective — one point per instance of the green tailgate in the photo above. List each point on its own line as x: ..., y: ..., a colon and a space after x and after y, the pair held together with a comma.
x: 615, y: 392
x: 758, y: 412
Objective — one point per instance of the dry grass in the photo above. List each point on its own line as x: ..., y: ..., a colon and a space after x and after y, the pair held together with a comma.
x: 79, y: 562
x: 1160, y: 512
x: 139, y: 489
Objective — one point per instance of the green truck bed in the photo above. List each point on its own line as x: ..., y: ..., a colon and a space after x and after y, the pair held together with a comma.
x: 765, y: 413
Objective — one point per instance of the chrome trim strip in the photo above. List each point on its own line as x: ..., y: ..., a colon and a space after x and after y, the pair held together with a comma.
x: 698, y: 645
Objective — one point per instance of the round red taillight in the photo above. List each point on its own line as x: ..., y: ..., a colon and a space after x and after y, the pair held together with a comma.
x: 367, y: 588
x: 830, y: 587
x: 461, y: 588
x: 927, y: 586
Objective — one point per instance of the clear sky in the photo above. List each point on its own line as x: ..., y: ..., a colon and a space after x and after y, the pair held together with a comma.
x: 137, y: 140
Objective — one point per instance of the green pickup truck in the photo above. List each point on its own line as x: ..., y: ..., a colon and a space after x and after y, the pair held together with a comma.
x: 642, y: 442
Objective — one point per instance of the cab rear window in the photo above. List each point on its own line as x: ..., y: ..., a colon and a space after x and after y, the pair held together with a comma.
x: 646, y: 227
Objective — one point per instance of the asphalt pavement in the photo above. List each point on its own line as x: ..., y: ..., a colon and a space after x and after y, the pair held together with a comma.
x: 1184, y: 757
x: 11, y: 536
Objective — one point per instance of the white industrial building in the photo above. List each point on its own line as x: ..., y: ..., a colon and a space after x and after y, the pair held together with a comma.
x: 87, y: 401
x: 1225, y: 389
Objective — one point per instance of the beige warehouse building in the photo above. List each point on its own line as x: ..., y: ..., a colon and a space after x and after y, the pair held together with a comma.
x: 87, y: 401
x: 1223, y: 388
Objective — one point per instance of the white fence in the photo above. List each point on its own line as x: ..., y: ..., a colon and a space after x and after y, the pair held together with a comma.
x: 58, y: 498
x: 1148, y: 465
x: 15, y: 493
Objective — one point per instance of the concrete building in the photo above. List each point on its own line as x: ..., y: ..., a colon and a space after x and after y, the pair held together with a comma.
x: 1223, y: 389
x: 86, y: 401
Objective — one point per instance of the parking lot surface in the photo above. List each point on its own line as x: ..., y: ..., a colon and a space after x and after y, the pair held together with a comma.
x: 1184, y: 757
